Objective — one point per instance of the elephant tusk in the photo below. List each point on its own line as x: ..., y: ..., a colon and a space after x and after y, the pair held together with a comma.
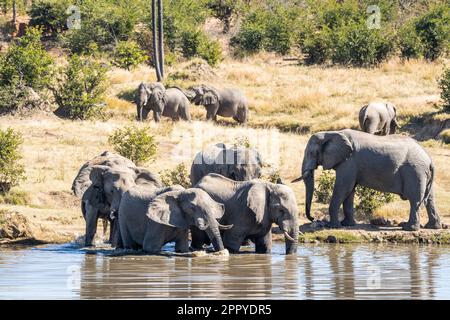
x: 298, y: 179
x: 225, y: 227
x: 288, y: 236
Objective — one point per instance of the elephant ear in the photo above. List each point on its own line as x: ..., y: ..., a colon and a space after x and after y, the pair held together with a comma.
x: 257, y: 199
x: 336, y: 148
x: 210, y: 96
x: 165, y: 209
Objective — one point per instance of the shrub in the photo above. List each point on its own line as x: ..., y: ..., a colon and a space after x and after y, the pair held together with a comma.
x: 367, y: 200
x: 26, y: 62
x: 251, y: 36
x: 409, y: 43
x: 12, y: 172
x: 128, y: 55
x: 17, y: 98
x: 224, y: 10
x: 316, y: 47
x: 136, y: 144
x: 79, y: 88
x: 434, y: 30
x: 179, y: 175
x: 444, y: 85
x: 50, y: 15
x: 197, y: 44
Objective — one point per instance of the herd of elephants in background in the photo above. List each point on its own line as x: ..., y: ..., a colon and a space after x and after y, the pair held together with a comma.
x: 228, y: 204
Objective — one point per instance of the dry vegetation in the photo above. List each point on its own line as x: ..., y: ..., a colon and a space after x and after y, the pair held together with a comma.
x: 282, y: 94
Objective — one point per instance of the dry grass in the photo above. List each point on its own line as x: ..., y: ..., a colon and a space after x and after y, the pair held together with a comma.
x: 281, y: 95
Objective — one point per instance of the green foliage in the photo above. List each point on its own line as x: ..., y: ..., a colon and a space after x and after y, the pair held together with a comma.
x: 50, y: 15
x: 179, y: 175
x: 134, y: 143
x: 79, y: 88
x: 128, y: 55
x: 367, y: 200
x: 12, y: 172
x: 409, y: 42
x: 444, y: 85
x: 433, y: 28
x: 224, y: 10
x: 197, y: 44
x: 26, y: 62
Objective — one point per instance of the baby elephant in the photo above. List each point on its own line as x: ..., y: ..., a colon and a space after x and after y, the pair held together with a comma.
x: 154, y: 97
x: 378, y: 118
x: 229, y: 103
x: 149, y: 221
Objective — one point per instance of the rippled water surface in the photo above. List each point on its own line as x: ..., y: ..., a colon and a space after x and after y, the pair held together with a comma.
x: 317, y: 272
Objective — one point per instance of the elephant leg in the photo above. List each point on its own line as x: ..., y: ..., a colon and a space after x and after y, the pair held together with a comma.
x: 199, y: 238
x: 413, y: 224
x: 91, y: 224
x: 434, y: 221
x: 154, y: 239
x: 184, y: 113
x: 156, y: 116
x: 127, y: 240
x: 182, y: 242
x: 232, y: 241
x: 349, y: 211
x: 263, y: 245
x: 343, y: 187
x: 211, y: 112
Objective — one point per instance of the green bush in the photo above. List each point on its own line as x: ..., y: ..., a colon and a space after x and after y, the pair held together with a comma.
x: 128, y: 55
x: 26, y: 62
x: 179, y: 175
x: 50, y: 15
x: 12, y: 172
x: 433, y: 28
x: 316, y: 47
x: 136, y: 144
x: 444, y: 85
x: 409, y: 43
x: 79, y: 88
x: 224, y: 10
x: 367, y: 200
x: 197, y: 44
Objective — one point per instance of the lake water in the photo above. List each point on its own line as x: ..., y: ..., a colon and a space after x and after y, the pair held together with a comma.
x: 317, y: 272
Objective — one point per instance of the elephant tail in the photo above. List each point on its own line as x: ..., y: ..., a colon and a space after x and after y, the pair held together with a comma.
x: 428, y: 190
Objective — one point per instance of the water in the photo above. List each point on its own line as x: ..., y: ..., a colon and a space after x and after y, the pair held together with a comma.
x: 317, y: 272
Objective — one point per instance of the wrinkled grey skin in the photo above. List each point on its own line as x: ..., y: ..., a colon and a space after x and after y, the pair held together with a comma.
x: 238, y: 164
x: 149, y: 220
x: 395, y: 164
x: 252, y: 207
x: 228, y: 103
x: 100, y: 184
x: 378, y: 118
x: 171, y: 103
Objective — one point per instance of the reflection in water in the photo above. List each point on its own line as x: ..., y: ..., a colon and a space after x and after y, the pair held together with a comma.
x: 317, y: 272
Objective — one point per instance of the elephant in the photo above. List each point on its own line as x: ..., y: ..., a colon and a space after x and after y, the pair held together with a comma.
x: 227, y: 103
x: 100, y: 184
x: 378, y: 118
x: 171, y: 102
x: 395, y: 164
x: 251, y: 207
x: 149, y: 220
x: 236, y: 163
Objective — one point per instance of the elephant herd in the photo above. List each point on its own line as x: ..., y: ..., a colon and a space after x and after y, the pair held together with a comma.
x: 175, y: 102
x: 228, y: 204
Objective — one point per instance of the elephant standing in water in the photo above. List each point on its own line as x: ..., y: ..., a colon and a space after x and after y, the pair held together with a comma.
x: 171, y: 102
x: 252, y: 207
x: 379, y: 118
x: 229, y: 103
x: 237, y: 163
x: 394, y: 164
x: 148, y: 220
x: 100, y: 184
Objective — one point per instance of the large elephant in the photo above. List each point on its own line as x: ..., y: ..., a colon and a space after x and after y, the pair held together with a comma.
x: 378, y: 118
x: 100, y: 184
x: 148, y: 220
x: 154, y: 97
x: 229, y: 103
x: 252, y: 207
x: 395, y: 164
x: 236, y: 163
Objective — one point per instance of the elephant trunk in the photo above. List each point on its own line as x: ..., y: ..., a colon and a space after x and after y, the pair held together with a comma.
x: 215, y: 237
x: 290, y: 230
x: 309, y: 187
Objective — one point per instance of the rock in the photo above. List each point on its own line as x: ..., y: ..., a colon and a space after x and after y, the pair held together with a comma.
x: 14, y: 225
x: 331, y: 239
x: 381, y: 222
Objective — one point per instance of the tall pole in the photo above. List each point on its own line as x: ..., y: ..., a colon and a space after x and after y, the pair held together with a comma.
x: 161, y: 37
x: 156, y: 52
